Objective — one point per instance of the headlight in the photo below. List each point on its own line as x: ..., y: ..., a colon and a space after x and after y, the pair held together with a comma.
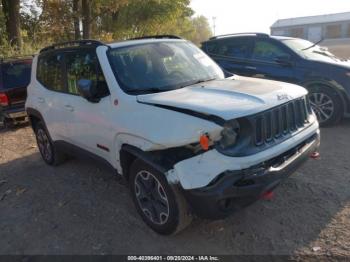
x: 229, y: 134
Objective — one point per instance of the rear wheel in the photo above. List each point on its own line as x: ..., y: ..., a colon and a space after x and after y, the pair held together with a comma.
x: 326, y: 105
x: 50, y: 154
x: 161, y: 206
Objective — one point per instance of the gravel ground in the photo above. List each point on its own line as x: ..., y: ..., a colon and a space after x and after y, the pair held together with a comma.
x: 80, y: 208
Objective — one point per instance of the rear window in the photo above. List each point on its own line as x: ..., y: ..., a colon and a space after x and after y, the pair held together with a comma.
x: 15, y: 75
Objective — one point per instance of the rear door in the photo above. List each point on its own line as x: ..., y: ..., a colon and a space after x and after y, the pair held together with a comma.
x: 231, y: 54
x: 272, y: 60
x: 50, y: 94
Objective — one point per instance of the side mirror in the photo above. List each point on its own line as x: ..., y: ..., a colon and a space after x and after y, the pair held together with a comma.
x: 88, y: 90
x: 284, y: 60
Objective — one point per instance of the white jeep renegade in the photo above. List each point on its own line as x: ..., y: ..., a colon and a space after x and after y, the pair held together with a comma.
x: 160, y: 112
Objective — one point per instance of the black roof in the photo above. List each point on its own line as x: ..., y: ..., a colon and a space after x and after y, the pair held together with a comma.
x: 95, y: 43
x: 157, y: 37
x: 77, y: 43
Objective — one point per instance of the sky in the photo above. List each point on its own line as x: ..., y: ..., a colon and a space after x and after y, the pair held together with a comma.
x: 234, y: 16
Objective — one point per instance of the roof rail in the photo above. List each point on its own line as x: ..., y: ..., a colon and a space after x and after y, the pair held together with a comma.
x: 237, y: 34
x: 85, y: 42
x: 156, y: 37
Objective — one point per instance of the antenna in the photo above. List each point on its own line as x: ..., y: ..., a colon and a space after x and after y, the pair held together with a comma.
x: 214, y: 24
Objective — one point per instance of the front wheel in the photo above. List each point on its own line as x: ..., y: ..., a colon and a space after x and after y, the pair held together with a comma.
x: 161, y: 206
x: 326, y: 104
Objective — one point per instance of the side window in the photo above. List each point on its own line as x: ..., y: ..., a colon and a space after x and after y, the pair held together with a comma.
x: 211, y: 47
x: 84, y: 65
x: 266, y: 51
x: 49, y: 72
x: 235, y: 48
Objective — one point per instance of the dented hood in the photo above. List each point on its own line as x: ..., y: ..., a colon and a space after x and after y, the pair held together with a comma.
x: 227, y: 98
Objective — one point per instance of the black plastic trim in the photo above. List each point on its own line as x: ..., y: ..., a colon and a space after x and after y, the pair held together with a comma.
x: 144, y: 156
x: 212, y: 118
x: 79, y: 152
x: 233, y: 190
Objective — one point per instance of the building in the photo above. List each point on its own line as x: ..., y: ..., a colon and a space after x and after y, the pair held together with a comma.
x: 333, y: 28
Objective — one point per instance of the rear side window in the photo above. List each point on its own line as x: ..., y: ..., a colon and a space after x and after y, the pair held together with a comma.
x: 15, y: 75
x: 49, y: 72
x: 234, y: 48
x: 84, y: 65
x: 210, y: 47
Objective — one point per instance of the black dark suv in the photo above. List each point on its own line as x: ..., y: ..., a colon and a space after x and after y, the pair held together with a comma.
x: 290, y: 60
x: 14, y: 79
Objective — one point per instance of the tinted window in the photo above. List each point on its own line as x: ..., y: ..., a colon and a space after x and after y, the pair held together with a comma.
x: 84, y: 65
x: 49, y: 72
x: 211, y: 47
x: 236, y: 48
x: 15, y: 75
x: 267, y: 51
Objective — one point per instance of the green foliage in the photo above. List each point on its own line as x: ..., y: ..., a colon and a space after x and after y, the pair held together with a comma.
x: 47, y: 21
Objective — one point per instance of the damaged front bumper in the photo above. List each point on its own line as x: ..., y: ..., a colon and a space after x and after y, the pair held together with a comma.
x: 233, y: 190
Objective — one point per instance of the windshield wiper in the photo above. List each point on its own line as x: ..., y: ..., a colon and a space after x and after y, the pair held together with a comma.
x: 315, y: 44
x: 149, y: 90
x: 164, y: 89
x: 198, y: 82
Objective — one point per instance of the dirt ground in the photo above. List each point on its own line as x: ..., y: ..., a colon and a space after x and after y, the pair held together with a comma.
x: 80, y: 208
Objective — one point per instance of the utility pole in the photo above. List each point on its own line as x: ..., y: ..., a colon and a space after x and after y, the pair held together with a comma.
x: 214, y: 24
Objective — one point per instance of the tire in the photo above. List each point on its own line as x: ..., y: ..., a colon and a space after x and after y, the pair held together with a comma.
x: 50, y: 154
x: 326, y: 104
x: 161, y: 206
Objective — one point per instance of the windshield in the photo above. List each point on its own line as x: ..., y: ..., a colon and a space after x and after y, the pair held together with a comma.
x: 161, y: 66
x: 15, y: 75
x: 302, y: 47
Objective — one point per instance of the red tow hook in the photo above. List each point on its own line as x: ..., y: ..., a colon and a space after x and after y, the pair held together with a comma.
x: 315, y: 155
x: 268, y: 195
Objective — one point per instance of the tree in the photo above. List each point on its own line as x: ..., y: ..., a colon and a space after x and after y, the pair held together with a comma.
x: 202, y: 30
x: 139, y: 18
x: 12, y: 21
x: 86, y: 13
x: 76, y: 18
x: 56, y: 21
x: 30, y: 19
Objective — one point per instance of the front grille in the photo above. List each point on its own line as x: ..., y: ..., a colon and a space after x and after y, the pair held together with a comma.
x: 281, y: 120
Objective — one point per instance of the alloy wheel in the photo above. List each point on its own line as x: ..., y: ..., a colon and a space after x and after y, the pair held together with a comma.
x: 44, y: 144
x: 323, y: 106
x: 151, y: 197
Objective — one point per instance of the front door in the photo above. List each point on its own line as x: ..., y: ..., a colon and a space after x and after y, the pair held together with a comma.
x: 272, y: 61
x: 89, y: 126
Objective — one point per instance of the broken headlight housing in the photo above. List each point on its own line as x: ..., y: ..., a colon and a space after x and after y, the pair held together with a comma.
x: 229, y: 134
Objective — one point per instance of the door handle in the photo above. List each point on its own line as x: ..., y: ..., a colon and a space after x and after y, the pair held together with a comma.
x: 250, y: 67
x: 69, y: 108
x: 41, y: 100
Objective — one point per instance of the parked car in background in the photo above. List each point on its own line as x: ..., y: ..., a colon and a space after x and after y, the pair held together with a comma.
x: 160, y: 112
x: 14, y: 79
x: 292, y: 60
